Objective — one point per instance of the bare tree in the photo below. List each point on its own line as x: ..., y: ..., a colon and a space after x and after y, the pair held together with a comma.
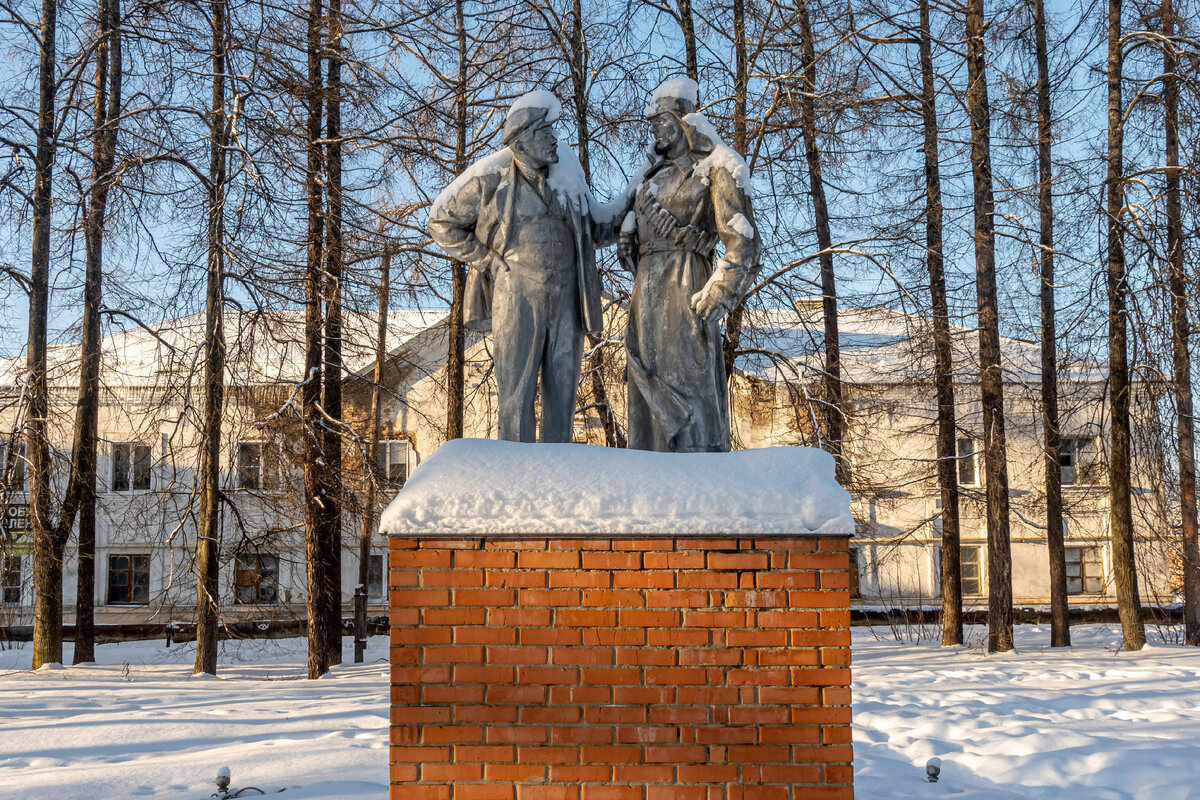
x: 1180, y: 329
x: 991, y: 378
x: 1129, y: 604
x: 208, y: 531
x: 1060, y: 632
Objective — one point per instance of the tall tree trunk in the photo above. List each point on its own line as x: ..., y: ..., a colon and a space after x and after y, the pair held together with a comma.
x: 833, y: 416
x: 733, y: 322
x: 991, y: 377
x: 208, y: 533
x: 1060, y: 630
x: 687, y: 25
x: 613, y: 436
x: 1180, y: 330
x: 106, y: 123
x: 455, y: 359
x: 372, y: 472
x: 1120, y: 515
x: 334, y: 259
x: 943, y: 362
x: 316, y: 482
x: 48, y: 545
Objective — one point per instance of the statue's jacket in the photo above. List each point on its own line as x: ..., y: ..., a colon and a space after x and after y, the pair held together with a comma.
x: 473, y: 222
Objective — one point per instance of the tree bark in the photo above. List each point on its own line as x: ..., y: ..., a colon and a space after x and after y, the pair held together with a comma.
x: 687, y: 25
x: 1180, y: 330
x: 613, y: 436
x: 991, y: 377
x: 1060, y: 630
x: 372, y: 472
x: 334, y: 259
x: 733, y: 322
x: 48, y: 544
x: 316, y: 483
x: 455, y: 359
x: 208, y: 533
x: 1120, y: 516
x: 943, y: 362
x: 106, y: 123
x: 833, y: 413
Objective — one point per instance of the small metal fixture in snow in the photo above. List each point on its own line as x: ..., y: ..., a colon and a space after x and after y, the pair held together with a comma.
x: 223, y: 791
x: 933, y: 768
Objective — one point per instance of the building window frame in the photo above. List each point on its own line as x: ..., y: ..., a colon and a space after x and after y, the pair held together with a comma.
x: 1073, y: 469
x: 392, y: 459
x: 20, y: 474
x: 967, y: 457
x: 376, y: 577
x: 253, y: 470
x: 256, y: 579
x: 972, y: 585
x: 1085, y: 570
x: 130, y: 467
x: 128, y: 580
x: 10, y: 579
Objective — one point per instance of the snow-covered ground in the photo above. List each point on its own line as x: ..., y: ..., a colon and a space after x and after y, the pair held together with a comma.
x: 1089, y: 722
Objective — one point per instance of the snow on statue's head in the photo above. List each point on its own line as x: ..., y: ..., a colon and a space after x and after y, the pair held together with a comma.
x: 678, y: 96
x: 530, y: 111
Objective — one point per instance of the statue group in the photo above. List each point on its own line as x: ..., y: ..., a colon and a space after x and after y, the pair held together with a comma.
x: 525, y: 221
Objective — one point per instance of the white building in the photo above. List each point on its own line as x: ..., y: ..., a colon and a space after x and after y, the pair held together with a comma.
x: 149, y: 452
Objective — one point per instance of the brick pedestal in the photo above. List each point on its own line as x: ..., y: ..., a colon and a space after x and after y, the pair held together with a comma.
x: 620, y: 669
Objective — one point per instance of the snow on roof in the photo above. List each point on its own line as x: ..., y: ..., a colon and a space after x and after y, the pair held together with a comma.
x: 262, y: 348
x: 884, y: 346
x: 479, y: 486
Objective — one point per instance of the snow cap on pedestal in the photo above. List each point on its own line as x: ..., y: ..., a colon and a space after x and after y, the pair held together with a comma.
x: 531, y: 110
x: 679, y: 96
x: 484, y: 487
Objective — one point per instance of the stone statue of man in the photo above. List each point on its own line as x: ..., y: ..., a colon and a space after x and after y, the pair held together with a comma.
x: 694, y: 193
x: 522, y: 218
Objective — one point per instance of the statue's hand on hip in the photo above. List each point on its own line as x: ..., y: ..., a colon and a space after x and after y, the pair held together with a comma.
x: 719, y: 294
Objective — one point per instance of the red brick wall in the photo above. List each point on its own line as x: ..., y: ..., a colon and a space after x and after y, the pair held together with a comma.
x: 634, y: 669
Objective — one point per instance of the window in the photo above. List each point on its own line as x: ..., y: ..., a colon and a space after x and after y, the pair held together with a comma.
x: 129, y: 579
x: 968, y: 462
x: 10, y: 580
x: 855, y: 588
x: 256, y: 579
x: 1085, y: 570
x: 972, y: 573
x: 392, y: 460
x: 375, y: 576
x: 13, y: 473
x: 130, y: 467
x: 1080, y: 460
x: 255, y: 472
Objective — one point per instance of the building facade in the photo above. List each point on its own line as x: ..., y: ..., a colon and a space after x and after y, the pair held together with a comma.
x: 150, y: 452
